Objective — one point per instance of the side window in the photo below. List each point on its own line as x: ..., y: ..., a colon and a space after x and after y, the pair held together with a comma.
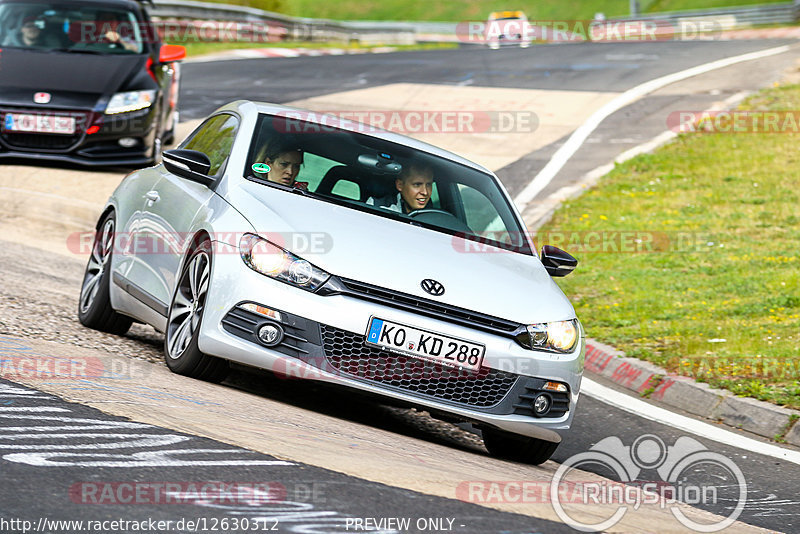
x: 215, y: 139
x: 483, y: 217
x: 314, y: 169
x: 347, y: 189
x: 478, y: 209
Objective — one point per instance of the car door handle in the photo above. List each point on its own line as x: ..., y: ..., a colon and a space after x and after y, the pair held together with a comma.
x: 152, y: 196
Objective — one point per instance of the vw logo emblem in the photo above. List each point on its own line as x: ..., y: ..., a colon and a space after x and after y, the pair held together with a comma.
x: 433, y: 287
x: 42, y: 98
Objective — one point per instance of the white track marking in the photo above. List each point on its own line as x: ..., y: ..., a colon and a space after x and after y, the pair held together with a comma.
x: 681, y: 422
x: 579, y: 136
x: 539, y: 214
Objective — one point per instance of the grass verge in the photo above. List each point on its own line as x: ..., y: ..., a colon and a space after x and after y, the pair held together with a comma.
x: 690, y: 256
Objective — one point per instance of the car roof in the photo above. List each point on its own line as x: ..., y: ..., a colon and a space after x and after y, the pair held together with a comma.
x: 331, y: 121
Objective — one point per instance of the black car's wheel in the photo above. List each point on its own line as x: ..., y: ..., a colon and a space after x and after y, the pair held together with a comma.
x: 94, y: 304
x: 181, y: 350
x: 518, y: 448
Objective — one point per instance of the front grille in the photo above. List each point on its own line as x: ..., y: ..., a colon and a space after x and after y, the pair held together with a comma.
x: 43, y: 141
x: 348, y: 353
x: 430, y: 308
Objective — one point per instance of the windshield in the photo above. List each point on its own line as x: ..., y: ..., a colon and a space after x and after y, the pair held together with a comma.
x: 69, y: 27
x: 384, y: 178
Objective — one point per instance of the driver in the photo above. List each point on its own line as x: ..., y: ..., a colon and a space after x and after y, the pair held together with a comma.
x: 284, y: 161
x: 414, y: 186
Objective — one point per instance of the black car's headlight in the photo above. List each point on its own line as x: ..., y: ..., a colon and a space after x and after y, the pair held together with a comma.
x: 558, y: 336
x: 271, y: 260
x: 130, y: 101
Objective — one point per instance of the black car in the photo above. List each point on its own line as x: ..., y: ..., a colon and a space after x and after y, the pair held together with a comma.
x: 85, y: 81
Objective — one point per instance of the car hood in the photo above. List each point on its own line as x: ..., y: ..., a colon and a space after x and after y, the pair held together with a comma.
x: 74, y: 80
x: 398, y: 256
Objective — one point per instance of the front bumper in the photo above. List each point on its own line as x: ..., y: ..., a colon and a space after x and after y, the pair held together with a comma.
x: 326, y: 344
x: 99, y: 148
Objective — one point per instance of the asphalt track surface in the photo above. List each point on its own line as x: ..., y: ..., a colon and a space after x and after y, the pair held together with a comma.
x: 191, y: 484
x: 35, y: 491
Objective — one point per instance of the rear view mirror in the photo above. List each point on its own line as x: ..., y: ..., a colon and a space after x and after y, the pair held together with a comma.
x: 557, y: 262
x: 189, y: 164
x: 383, y: 163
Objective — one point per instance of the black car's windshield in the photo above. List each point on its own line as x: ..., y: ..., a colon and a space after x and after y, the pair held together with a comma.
x: 69, y: 27
x: 385, y: 178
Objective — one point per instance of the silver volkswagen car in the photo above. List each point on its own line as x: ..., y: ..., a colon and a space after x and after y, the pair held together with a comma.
x: 325, y: 249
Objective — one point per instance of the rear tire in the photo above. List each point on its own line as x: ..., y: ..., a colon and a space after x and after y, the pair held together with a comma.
x: 94, y: 303
x: 518, y: 448
x: 185, y: 317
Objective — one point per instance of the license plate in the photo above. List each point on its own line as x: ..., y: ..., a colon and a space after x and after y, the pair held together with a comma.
x: 425, y: 345
x: 30, y: 123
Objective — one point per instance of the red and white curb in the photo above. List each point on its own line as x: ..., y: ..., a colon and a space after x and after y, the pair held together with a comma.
x: 654, y: 383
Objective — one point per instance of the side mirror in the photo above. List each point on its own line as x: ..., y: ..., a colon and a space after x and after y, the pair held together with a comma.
x: 557, y: 262
x: 189, y: 164
x: 169, y: 53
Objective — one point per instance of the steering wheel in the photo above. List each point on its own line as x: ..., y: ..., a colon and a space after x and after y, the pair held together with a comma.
x: 423, y: 211
x: 441, y: 218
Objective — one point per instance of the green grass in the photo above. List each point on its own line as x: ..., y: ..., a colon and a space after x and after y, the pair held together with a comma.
x: 461, y: 10
x: 714, y: 292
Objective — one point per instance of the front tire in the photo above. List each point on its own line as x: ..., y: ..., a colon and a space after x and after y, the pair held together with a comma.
x: 94, y: 303
x: 181, y: 349
x: 518, y: 448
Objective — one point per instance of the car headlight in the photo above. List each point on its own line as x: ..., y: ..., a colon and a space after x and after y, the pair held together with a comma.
x: 130, y: 101
x: 558, y: 336
x: 273, y: 261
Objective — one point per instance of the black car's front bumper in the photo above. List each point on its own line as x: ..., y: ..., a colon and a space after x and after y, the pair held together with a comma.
x: 94, y: 143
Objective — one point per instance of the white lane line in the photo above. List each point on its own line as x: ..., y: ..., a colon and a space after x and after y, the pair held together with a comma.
x: 32, y: 409
x: 539, y: 214
x: 681, y: 422
x: 579, y: 136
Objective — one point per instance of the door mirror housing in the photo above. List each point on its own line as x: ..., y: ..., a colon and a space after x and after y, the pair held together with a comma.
x: 169, y: 53
x: 189, y: 164
x: 557, y: 262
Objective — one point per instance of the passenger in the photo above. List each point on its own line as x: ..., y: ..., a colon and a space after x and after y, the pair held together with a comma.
x: 284, y: 163
x: 32, y: 35
x: 414, y: 186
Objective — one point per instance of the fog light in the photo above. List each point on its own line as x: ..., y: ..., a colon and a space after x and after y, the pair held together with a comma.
x: 270, y: 334
x: 128, y: 142
x: 541, y: 404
